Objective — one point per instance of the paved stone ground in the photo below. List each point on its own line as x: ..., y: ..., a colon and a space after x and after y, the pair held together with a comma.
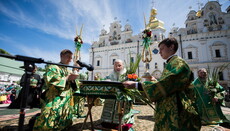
x: 143, y: 121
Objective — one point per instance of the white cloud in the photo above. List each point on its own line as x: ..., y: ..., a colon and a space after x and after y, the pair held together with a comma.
x: 49, y: 55
x: 66, y: 16
x: 61, y: 17
x: 40, y: 53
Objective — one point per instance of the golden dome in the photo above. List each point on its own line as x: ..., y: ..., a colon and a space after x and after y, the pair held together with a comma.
x: 154, y: 23
x: 198, y: 14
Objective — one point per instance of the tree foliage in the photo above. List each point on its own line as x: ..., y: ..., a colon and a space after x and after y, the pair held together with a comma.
x: 2, y: 51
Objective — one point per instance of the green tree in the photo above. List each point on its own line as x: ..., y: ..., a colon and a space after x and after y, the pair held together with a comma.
x: 41, y: 69
x: 2, y: 51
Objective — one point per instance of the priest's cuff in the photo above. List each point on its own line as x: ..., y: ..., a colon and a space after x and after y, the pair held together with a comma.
x: 138, y: 86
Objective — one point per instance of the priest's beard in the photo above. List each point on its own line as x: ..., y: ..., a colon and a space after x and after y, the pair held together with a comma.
x: 121, y: 72
x: 203, y: 80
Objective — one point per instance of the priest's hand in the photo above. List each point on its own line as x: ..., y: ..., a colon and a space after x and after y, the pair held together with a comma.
x: 152, y: 78
x: 71, y: 77
x: 129, y: 84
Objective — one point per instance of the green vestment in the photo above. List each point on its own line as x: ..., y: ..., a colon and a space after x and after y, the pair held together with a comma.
x: 56, y: 111
x: 209, y: 111
x: 174, y: 98
x: 79, y: 101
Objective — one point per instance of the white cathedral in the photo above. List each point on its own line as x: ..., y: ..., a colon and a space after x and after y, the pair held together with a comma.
x: 205, y: 42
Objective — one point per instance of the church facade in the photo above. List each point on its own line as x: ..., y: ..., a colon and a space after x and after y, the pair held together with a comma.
x: 121, y: 44
x: 203, y: 43
x: 205, y: 40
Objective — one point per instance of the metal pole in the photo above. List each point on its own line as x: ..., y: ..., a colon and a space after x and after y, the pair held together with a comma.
x: 181, y: 49
x: 29, y: 67
x: 138, y: 71
x: 92, y: 62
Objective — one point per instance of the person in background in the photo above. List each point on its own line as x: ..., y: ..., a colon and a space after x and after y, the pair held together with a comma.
x: 209, y: 104
x: 10, y: 87
x: 175, y: 108
x: 34, y: 91
x: 57, y: 111
x: 13, y: 95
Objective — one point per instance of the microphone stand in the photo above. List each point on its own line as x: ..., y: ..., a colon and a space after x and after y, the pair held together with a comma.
x: 29, y: 65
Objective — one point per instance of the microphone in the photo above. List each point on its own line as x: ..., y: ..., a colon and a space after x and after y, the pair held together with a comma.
x: 88, y: 66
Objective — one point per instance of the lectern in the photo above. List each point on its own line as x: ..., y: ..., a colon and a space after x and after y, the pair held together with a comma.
x: 102, y: 89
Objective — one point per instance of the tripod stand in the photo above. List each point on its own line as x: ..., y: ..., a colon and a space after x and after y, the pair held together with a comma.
x: 29, y: 67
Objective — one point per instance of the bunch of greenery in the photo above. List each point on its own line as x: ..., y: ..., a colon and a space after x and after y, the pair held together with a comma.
x: 131, y: 68
x: 213, y: 78
x: 134, y: 93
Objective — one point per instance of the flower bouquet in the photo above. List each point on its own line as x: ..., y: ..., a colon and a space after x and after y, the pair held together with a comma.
x: 147, y: 33
x: 146, y: 36
x: 133, y: 77
x: 78, y: 42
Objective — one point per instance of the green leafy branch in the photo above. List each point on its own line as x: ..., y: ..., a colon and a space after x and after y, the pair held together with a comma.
x: 213, y: 77
x: 134, y: 93
x: 132, y: 66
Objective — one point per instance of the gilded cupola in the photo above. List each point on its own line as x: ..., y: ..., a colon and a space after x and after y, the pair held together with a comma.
x: 154, y: 23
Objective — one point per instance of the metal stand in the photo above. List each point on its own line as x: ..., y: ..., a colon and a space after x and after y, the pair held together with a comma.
x: 121, y: 110
x: 90, y: 105
x: 29, y: 67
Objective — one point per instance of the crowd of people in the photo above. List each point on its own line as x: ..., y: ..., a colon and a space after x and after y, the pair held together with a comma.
x: 181, y: 103
x: 8, y: 93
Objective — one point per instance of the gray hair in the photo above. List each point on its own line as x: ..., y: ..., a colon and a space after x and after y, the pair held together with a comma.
x: 119, y: 60
x: 201, y: 70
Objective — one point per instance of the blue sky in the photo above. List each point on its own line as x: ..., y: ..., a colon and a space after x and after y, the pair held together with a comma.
x: 42, y: 28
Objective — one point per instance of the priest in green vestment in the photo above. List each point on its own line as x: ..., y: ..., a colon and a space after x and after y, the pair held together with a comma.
x: 209, y: 104
x: 57, y: 111
x: 110, y: 116
x: 172, y: 93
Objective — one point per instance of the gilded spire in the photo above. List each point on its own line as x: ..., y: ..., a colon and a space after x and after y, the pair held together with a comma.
x: 199, y: 12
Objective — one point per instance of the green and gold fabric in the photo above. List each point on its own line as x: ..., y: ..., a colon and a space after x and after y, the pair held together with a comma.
x: 79, y: 101
x: 174, y: 98
x: 209, y: 111
x: 56, y: 111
